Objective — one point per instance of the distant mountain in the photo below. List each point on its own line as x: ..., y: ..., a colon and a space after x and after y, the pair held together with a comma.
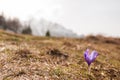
x: 40, y: 28
x: 36, y: 27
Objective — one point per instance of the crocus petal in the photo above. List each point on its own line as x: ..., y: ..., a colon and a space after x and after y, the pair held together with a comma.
x: 93, y: 56
x: 86, y: 53
x: 87, y: 57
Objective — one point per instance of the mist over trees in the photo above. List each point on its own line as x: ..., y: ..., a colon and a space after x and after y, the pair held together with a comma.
x: 48, y: 33
x: 40, y: 27
x: 14, y: 25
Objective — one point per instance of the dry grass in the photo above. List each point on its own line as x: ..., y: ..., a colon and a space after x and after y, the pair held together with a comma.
x: 24, y: 57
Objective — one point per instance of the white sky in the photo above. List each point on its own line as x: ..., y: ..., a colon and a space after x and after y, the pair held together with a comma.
x: 81, y: 16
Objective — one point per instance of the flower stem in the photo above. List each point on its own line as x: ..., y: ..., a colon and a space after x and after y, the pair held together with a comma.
x: 89, y: 68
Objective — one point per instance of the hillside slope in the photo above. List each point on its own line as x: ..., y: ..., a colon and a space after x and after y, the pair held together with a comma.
x: 25, y: 57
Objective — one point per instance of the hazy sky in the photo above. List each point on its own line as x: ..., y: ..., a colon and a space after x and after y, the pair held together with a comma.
x: 81, y: 16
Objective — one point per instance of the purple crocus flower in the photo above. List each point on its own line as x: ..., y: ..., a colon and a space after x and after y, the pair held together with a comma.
x: 90, y: 57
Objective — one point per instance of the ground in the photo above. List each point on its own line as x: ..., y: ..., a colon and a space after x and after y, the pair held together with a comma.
x: 25, y: 57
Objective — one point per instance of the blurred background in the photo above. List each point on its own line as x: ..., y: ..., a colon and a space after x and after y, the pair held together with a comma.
x: 61, y: 18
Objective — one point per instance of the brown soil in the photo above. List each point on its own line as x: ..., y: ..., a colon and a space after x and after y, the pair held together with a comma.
x: 25, y: 57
